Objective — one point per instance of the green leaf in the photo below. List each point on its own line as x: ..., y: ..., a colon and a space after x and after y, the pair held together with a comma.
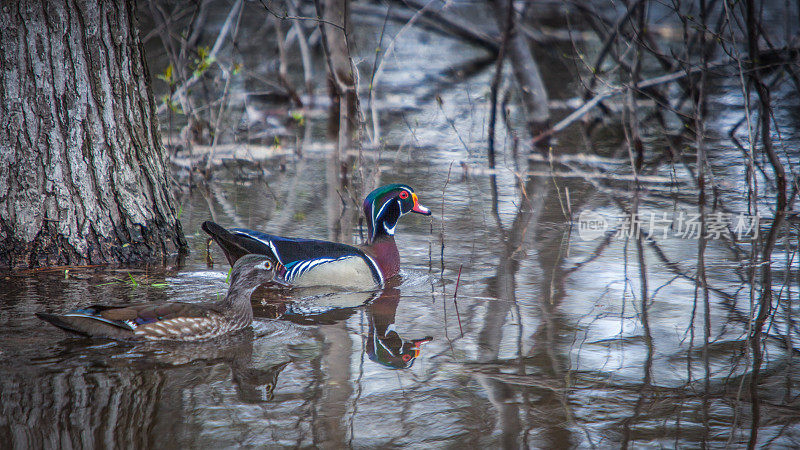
x: 167, y: 76
x: 298, y: 117
x: 202, y: 52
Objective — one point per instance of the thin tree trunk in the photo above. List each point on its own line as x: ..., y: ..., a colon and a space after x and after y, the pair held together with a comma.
x: 526, y: 72
x: 82, y: 171
x: 335, y: 30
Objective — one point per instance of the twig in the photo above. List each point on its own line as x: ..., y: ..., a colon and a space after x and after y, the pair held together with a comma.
x: 455, y: 301
x: 288, y: 17
x: 181, y: 90
x: 607, y: 45
x: 164, y: 25
x: 617, y: 90
x: 376, y: 74
x: 449, y: 24
x: 444, y: 188
x: 283, y: 74
x: 444, y: 298
x: 766, y: 299
x: 225, y: 101
x: 305, y: 52
x: 376, y: 130
x: 452, y: 123
x: 498, y: 75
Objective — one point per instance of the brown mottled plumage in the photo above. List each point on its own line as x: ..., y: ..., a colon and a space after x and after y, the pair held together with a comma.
x: 173, y: 320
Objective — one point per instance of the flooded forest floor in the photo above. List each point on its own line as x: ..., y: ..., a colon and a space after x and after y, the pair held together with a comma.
x: 611, y: 259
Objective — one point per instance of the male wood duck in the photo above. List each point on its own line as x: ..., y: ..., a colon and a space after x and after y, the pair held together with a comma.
x: 173, y: 320
x: 310, y: 262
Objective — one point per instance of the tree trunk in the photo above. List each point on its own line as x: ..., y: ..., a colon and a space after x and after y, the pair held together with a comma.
x: 343, y: 120
x: 532, y: 91
x: 83, y: 175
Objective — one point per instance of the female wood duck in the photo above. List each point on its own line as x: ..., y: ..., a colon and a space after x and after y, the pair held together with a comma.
x: 309, y: 262
x: 172, y: 320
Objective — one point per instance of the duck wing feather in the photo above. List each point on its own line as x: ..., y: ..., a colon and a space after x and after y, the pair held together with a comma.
x: 130, y: 321
x: 297, y: 255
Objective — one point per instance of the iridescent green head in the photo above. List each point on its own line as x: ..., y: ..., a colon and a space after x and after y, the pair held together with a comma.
x: 385, y: 205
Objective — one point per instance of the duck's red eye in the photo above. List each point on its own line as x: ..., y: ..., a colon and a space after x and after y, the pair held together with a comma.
x: 406, y: 357
x: 404, y: 195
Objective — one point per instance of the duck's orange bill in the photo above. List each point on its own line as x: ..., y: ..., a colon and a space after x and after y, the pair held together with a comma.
x: 417, y: 343
x: 419, y: 209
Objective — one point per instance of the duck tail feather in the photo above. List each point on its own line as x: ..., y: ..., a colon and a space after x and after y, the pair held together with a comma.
x: 87, y: 325
x: 234, y: 247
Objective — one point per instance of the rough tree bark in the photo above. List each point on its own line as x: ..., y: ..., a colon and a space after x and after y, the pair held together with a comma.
x: 82, y: 171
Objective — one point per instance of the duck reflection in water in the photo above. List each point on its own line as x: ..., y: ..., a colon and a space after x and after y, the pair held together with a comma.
x: 255, y: 359
x: 385, y: 346
x: 145, y: 382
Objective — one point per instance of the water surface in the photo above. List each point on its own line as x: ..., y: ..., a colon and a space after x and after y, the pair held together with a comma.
x: 552, y: 340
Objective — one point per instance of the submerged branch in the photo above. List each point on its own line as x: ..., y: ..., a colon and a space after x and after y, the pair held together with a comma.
x: 617, y: 90
x: 448, y: 23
